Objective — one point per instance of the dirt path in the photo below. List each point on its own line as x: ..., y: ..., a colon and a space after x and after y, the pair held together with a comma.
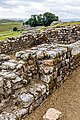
x: 66, y: 99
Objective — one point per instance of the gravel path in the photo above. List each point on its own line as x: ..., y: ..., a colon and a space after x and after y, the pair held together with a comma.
x: 66, y: 99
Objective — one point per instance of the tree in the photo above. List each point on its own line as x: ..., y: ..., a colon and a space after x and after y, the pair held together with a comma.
x: 48, y: 18
x: 38, y: 20
x: 34, y: 20
x: 15, y: 29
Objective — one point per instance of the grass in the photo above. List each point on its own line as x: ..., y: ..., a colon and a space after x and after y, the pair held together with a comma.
x: 6, y: 35
x: 6, y: 29
x: 9, y: 26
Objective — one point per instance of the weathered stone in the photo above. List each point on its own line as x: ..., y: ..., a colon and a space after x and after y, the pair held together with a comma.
x: 3, y: 57
x: 7, y: 116
x: 9, y: 65
x: 48, y: 62
x: 1, y: 81
x: 40, y: 55
x: 26, y: 99
x: 10, y: 76
x: 52, y: 114
x: 46, y: 78
x: 20, y: 113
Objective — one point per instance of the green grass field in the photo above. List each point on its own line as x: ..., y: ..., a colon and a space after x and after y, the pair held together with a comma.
x: 6, y: 29
x: 5, y: 35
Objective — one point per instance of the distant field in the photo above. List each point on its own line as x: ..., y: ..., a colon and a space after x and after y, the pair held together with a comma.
x: 6, y: 29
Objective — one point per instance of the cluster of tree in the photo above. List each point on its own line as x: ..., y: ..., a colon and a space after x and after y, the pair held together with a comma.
x: 42, y: 19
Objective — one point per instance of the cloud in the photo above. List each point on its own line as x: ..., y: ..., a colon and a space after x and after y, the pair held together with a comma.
x: 25, y: 8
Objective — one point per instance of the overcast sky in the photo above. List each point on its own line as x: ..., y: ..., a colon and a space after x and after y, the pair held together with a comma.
x: 24, y: 8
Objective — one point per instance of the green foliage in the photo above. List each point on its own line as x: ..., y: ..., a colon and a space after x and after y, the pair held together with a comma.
x: 42, y: 19
x: 48, y: 18
x: 15, y: 29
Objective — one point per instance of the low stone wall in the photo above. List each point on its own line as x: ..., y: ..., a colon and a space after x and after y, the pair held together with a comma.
x: 12, y: 45
x: 61, y: 36
x: 66, y: 35
x: 75, y: 52
x: 50, y: 58
x: 27, y: 81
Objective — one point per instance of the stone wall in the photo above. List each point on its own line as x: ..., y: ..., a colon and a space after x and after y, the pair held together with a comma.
x: 61, y: 36
x: 12, y: 45
x: 66, y: 35
x: 27, y: 81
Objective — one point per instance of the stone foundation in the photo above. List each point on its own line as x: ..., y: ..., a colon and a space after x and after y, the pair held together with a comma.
x: 27, y: 81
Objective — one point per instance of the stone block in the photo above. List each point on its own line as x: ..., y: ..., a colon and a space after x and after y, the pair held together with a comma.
x: 52, y: 114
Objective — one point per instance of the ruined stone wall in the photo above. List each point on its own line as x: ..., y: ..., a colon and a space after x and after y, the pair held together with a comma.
x: 27, y: 81
x: 66, y: 35
x: 61, y: 36
x: 12, y: 45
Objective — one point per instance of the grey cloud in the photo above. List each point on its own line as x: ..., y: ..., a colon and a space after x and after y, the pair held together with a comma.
x: 7, y: 3
x: 25, y: 8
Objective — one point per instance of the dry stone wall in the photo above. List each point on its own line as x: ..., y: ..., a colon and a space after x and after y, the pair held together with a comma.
x: 27, y: 81
x: 12, y: 45
x: 66, y: 35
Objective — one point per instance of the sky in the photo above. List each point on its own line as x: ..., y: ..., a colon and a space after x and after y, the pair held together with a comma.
x: 20, y: 9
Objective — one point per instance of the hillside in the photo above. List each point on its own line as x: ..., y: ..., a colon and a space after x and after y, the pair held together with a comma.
x: 6, y: 28
x: 7, y: 20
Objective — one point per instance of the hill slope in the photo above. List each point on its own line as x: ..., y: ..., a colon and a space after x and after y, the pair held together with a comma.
x: 7, y: 20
